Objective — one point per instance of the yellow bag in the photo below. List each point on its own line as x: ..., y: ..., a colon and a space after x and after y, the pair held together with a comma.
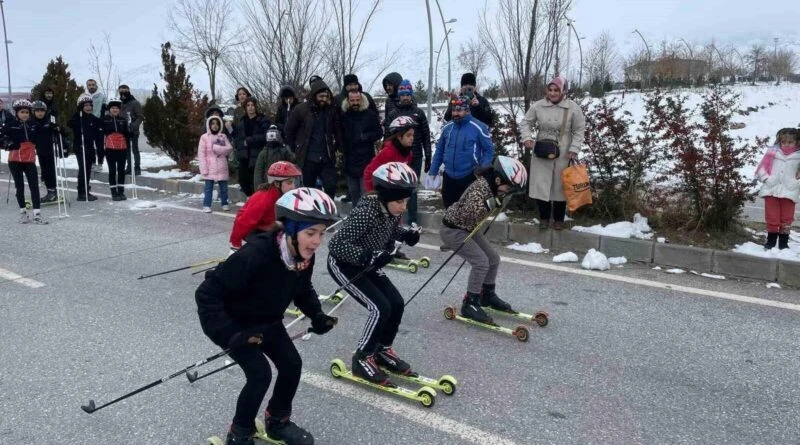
x: 575, y: 179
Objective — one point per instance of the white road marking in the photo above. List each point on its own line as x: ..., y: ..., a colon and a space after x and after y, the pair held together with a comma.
x: 643, y: 282
x: 417, y: 414
x: 11, y: 276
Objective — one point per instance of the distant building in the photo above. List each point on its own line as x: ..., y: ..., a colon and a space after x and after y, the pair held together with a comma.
x: 667, y: 68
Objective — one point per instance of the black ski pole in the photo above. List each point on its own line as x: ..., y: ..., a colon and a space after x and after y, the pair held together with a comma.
x: 191, y: 266
x: 91, y: 407
x: 204, y: 270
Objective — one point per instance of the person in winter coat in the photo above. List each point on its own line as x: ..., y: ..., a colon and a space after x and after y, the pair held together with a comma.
x: 391, y: 83
x: 215, y: 110
x: 98, y: 110
x: 48, y: 97
x: 549, y: 115
x: 422, y: 137
x: 363, y: 246
x: 397, y: 148
x: 242, y: 94
x: 311, y: 132
x: 287, y: 100
x: 479, y: 106
x: 241, y: 303
x: 274, y: 151
x: 249, y: 136
x: 350, y: 84
x: 116, y: 140
x: 212, y: 154
x: 779, y: 170
x: 492, y: 186
x: 5, y: 115
x: 131, y: 111
x: 464, y: 144
x: 360, y: 131
x: 87, y: 135
x: 44, y: 134
x: 258, y: 213
x: 20, y: 133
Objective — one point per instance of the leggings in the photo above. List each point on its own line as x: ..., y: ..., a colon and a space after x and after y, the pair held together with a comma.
x: 18, y: 169
x: 116, y: 169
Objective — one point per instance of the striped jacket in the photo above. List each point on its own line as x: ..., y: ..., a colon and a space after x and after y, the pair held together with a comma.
x: 368, y: 230
x: 461, y: 147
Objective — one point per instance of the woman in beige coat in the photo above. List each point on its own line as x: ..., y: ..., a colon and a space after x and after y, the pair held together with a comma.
x: 547, y: 115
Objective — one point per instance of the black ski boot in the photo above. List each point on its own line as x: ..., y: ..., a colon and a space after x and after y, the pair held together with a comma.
x: 239, y: 436
x: 121, y: 192
x: 366, y: 367
x: 490, y: 299
x: 783, y: 241
x: 115, y: 194
x: 51, y: 196
x: 772, y: 239
x: 471, y: 308
x: 389, y: 359
x: 281, y: 428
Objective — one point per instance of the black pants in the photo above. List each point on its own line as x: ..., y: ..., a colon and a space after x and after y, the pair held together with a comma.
x: 48, y: 165
x: 375, y: 292
x: 137, y: 158
x: 452, y: 189
x: 555, y: 210
x: 320, y: 170
x: 28, y: 169
x: 280, y: 349
x: 84, y: 171
x: 101, y: 154
x: 116, y: 170
x: 246, y: 173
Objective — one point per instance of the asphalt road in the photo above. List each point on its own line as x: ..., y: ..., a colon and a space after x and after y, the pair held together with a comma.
x: 620, y: 362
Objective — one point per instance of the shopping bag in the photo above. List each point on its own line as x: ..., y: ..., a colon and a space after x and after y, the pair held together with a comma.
x: 575, y: 180
x: 433, y: 182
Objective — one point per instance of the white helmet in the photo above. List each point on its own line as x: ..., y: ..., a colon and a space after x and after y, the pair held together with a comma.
x: 273, y: 135
x: 22, y: 103
x: 401, y: 123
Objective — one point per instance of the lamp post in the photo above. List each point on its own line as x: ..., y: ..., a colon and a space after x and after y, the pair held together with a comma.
x: 430, y: 60
x: 580, y: 52
x: 5, y: 38
x: 444, y: 27
x: 649, y: 55
x: 436, y: 65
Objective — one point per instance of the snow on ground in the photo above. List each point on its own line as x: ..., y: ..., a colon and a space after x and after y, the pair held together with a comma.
x: 566, y: 257
x: 675, y: 271
x: 617, y: 260
x: 530, y: 248
x: 595, y: 260
x: 709, y: 275
x: 143, y: 205
x: 753, y: 249
x: 623, y: 229
x: 773, y: 286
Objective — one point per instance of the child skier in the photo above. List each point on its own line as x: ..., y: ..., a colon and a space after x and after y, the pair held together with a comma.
x: 212, y: 153
x: 45, y: 132
x: 274, y: 151
x: 241, y: 304
x: 364, y: 241
x: 258, y: 213
x: 462, y: 217
x: 20, y: 132
x: 778, y: 170
x: 87, y: 138
x: 116, y: 140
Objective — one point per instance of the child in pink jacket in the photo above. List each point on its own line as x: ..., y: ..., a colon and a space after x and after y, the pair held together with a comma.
x: 212, y: 152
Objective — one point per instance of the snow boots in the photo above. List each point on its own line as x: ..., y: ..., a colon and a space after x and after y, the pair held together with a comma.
x: 490, y: 299
x: 51, y: 196
x: 118, y: 193
x: 471, y: 308
x: 239, y: 436
x: 281, y: 428
x: 389, y: 359
x: 783, y: 241
x: 366, y: 367
x: 772, y: 239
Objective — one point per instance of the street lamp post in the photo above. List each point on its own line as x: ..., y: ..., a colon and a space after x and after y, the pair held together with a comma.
x: 436, y: 65
x: 5, y: 38
x: 430, y: 60
x: 444, y: 27
x: 580, y: 52
x: 649, y: 54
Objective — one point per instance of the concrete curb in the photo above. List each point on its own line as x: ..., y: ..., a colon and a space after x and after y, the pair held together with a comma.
x: 729, y: 264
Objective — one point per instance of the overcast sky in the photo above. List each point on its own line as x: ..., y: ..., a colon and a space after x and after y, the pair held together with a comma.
x: 42, y: 29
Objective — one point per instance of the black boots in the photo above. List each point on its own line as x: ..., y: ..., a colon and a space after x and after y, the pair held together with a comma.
x: 389, y: 359
x: 783, y: 241
x: 283, y: 429
x: 772, y: 239
x: 239, y: 436
x: 471, y: 308
x: 366, y: 367
x: 490, y: 299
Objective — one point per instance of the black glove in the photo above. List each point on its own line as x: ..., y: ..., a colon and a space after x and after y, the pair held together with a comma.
x: 410, y: 237
x: 322, y: 323
x: 248, y: 140
x: 427, y: 165
x: 381, y: 259
x: 240, y: 339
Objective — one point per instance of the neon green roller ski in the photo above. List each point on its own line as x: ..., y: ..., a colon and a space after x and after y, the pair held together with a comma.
x: 520, y: 332
x: 260, y: 434
x: 425, y: 395
x: 29, y: 204
x: 541, y: 318
x: 410, y: 265
x: 446, y: 383
x: 336, y: 298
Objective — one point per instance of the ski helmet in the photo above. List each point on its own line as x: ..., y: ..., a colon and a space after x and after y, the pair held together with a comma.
x: 395, y: 175
x: 511, y: 171
x: 85, y: 99
x: 273, y: 135
x: 282, y: 170
x: 114, y: 102
x: 401, y: 124
x: 39, y: 105
x: 308, y: 205
x: 20, y: 104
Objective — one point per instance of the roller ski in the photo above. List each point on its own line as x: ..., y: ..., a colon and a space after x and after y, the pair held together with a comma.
x: 388, y: 361
x: 472, y: 313
x: 369, y: 373
x: 43, y: 203
x: 335, y: 298
x: 492, y: 303
x: 279, y: 432
x: 402, y: 262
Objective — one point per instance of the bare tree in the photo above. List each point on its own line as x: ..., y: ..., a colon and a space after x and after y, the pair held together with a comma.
x: 101, y: 65
x: 473, y: 57
x: 758, y: 61
x: 782, y: 64
x: 203, y: 32
x: 602, y: 59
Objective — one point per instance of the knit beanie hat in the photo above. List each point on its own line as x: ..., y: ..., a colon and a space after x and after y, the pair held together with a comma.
x: 350, y: 78
x: 468, y: 79
x: 405, y: 88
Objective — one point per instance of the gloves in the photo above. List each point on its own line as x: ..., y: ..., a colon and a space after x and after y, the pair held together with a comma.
x: 242, y: 339
x: 381, y: 259
x: 427, y: 165
x: 410, y: 237
x: 321, y: 323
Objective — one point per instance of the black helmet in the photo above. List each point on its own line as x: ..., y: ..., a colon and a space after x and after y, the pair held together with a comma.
x: 39, y: 105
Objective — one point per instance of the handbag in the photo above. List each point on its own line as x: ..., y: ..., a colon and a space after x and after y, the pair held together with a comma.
x: 575, y: 180
x: 548, y: 148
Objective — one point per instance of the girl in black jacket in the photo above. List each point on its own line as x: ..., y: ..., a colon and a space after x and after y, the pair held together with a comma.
x: 116, y: 140
x: 364, y: 242
x: 87, y: 135
x: 241, y: 305
x: 20, y: 133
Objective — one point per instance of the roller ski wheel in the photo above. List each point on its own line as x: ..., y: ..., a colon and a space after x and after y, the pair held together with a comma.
x: 215, y: 440
x: 28, y: 205
x: 335, y: 298
x: 293, y: 312
x: 425, y: 262
x: 446, y: 383
x: 425, y: 395
x: 541, y: 318
x: 406, y: 265
x: 520, y: 332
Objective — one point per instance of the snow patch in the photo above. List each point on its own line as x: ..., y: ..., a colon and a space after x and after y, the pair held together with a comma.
x: 657, y: 268
x: 709, y: 275
x: 661, y: 240
x: 675, y: 271
x: 530, y: 247
x: 143, y: 205
x: 753, y: 249
x: 595, y: 260
x: 623, y: 229
x: 567, y: 257
x: 168, y: 174
x: 617, y: 260
x: 773, y: 286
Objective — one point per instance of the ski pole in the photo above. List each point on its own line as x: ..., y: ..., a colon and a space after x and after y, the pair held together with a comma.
x: 83, y: 151
x: 8, y: 189
x: 191, y: 266
x: 91, y: 407
x: 204, y: 270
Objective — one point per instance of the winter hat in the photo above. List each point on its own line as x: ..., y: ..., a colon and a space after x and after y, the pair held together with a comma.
x: 313, y: 79
x: 350, y: 78
x: 292, y: 227
x: 405, y: 88
x: 208, y: 124
x: 386, y: 194
x: 468, y: 79
x: 560, y: 82
x: 459, y: 103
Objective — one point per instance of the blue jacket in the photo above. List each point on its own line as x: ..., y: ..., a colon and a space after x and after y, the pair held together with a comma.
x: 462, y: 146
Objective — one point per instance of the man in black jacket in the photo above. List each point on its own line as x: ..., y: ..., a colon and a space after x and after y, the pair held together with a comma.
x: 131, y: 111
x: 390, y: 84
x: 48, y: 97
x: 287, y: 100
x: 360, y: 131
x: 311, y: 132
x: 479, y: 107
x: 249, y: 137
x: 350, y: 83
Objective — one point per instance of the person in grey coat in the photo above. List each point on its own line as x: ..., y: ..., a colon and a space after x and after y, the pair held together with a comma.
x: 132, y: 111
x: 547, y: 115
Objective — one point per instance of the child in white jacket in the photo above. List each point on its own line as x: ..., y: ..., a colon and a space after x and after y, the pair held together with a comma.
x: 779, y: 170
x: 212, y: 154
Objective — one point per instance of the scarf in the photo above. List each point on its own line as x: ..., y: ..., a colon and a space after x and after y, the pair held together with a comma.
x: 287, y: 257
x: 764, y: 168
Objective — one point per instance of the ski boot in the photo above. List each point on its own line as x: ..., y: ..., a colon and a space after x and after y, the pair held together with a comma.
x: 283, y: 430
x: 772, y: 240
x: 387, y: 358
x: 239, y: 436
x: 490, y: 299
x: 121, y: 193
x: 39, y: 219
x: 783, y: 241
x: 115, y: 194
x: 89, y: 197
x: 365, y: 367
x: 471, y: 308
x: 23, y: 217
x: 50, y: 196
